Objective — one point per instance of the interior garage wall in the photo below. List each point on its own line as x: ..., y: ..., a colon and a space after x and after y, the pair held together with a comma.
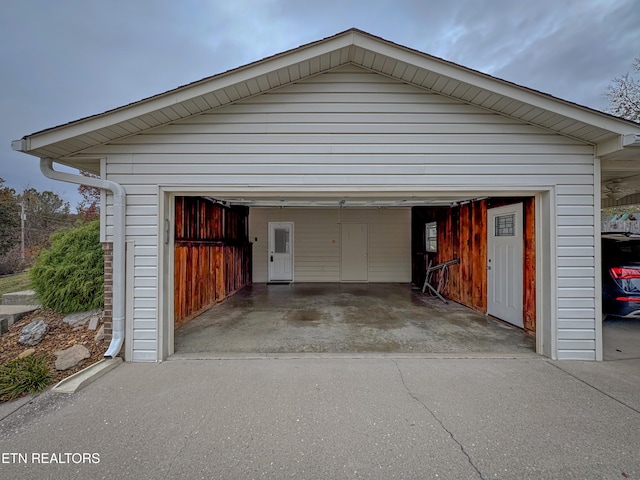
x: 212, y: 257
x: 317, y: 242
x: 462, y: 234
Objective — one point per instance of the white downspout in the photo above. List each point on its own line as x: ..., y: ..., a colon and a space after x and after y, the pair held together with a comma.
x: 119, y: 211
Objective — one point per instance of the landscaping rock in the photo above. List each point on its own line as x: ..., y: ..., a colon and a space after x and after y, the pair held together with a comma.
x: 100, y: 335
x: 93, y: 322
x: 80, y: 318
x: 27, y: 352
x: 33, y: 333
x: 10, y: 314
x: 26, y: 297
x: 71, y: 357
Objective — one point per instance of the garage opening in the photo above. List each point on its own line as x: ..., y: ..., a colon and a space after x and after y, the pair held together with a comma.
x: 350, y: 273
x: 462, y: 231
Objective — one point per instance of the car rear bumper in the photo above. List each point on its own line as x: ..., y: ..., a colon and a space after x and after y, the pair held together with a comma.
x: 623, y: 309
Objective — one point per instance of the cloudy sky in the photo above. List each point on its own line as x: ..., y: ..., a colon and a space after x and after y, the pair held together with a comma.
x: 65, y: 59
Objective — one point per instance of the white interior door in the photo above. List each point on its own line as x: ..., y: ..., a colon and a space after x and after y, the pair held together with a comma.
x: 505, y: 263
x: 354, y: 262
x: 280, y: 251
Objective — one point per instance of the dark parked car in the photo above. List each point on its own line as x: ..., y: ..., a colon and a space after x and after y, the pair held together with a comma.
x: 621, y: 275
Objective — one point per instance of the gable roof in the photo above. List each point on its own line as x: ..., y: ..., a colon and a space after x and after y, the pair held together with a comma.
x: 609, y: 134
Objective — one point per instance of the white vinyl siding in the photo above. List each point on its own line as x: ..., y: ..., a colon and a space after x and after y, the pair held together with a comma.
x: 317, y: 242
x: 142, y: 230
x: 576, y: 272
x: 351, y: 127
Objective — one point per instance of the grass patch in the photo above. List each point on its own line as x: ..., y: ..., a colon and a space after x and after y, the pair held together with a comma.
x: 23, y: 376
x: 15, y: 283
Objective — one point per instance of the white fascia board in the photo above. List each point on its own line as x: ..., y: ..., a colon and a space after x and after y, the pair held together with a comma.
x: 625, y: 146
x: 609, y: 146
x: 168, y: 99
x: 495, y: 85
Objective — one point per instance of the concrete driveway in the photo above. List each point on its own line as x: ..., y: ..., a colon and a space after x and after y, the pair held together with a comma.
x: 336, y: 418
x: 345, y: 318
x: 339, y: 416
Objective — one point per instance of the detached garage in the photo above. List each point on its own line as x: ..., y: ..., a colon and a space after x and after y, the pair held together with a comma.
x: 351, y: 159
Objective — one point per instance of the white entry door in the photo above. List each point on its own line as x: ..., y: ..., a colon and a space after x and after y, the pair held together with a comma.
x: 280, y: 251
x: 505, y: 263
x: 354, y: 262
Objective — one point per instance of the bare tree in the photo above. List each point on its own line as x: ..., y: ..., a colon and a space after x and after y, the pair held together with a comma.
x: 624, y: 94
x: 89, y: 208
x: 45, y: 213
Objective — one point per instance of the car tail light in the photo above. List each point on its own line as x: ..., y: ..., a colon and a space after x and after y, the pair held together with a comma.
x: 624, y: 273
x: 627, y: 299
x: 627, y: 278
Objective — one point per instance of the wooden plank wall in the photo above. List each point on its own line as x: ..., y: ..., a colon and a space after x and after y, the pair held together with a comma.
x: 462, y: 233
x: 529, y: 317
x: 212, y: 255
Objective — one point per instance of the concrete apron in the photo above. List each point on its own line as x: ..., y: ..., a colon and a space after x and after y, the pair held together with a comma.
x: 345, y: 319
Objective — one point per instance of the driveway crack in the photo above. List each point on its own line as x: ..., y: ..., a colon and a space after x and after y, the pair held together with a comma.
x: 187, y: 438
x: 432, y: 413
x: 630, y: 407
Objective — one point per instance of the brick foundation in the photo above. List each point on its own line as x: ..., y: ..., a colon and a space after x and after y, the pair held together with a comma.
x: 107, y: 248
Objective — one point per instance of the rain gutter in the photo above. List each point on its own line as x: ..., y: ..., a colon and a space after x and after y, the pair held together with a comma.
x: 631, y: 140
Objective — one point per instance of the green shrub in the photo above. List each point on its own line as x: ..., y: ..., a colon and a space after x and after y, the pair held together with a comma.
x: 22, y: 376
x: 69, y: 277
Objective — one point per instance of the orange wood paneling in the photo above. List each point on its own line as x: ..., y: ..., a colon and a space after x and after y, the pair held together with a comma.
x: 479, y: 259
x: 212, y: 255
x: 462, y: 234
x: 529, y: 314
x: 220, y: 269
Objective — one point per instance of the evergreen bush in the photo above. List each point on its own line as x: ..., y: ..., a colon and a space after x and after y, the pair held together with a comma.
x: 22, y: 376
x: 69, y: 276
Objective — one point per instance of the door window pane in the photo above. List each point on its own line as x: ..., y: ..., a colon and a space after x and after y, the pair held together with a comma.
x: 431, y: 236
x: 281, y: 240
x: 505, y: 225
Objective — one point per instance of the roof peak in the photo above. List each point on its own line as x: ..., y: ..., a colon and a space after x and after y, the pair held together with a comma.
x: 352, y: 46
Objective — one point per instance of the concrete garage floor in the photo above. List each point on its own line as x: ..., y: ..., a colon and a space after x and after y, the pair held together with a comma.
x: 621, y: 338
x: 345, y: 319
